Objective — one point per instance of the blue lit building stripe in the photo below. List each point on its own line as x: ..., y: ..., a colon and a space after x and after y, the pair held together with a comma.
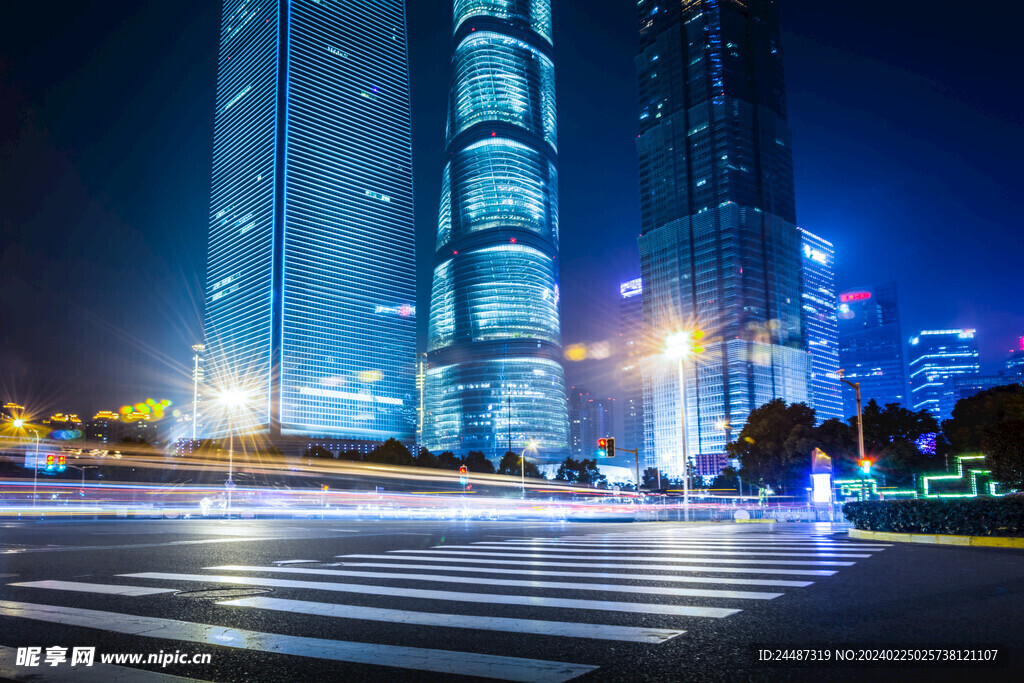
x: 494, y: 372
x: 310, y: 273
x: 822, y: 325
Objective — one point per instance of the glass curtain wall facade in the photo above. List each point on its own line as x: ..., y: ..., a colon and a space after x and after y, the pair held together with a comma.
x: 310, y: 274
x: 494, y: 376
x: 631, y: 331
x: 871, y: 346
x: 820, y: 316
x: 937, y: 359
x: 719, y: 249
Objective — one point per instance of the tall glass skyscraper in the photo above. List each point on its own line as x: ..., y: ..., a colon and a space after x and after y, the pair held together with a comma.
x: 719, y: 249
x: 937, y: 359
x: 631, y: 333
x: 871, y: 346
x: 494, y: 376
x: 819, y: 302
x: 310, y: 278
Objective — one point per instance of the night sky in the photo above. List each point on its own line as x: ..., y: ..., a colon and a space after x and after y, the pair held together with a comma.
x: 908, y: 138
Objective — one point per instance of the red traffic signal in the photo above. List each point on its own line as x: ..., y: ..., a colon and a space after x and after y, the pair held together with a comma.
x: 865, y: 465
x: 462, y: 469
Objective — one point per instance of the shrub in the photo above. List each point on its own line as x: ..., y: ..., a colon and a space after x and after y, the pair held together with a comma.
x: 982, y: 516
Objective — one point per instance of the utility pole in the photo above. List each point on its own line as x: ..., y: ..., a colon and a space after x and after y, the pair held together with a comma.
x: 860, y: 427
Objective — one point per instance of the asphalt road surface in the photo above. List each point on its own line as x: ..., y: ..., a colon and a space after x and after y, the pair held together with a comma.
x: 426, y: 600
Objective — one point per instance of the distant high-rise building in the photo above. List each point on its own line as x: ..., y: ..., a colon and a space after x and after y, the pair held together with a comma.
x: 494, y: 354
x: 310, y: 277
x: 871, y: 346
x: 822, y: 325
x: 719, y: 249
x: 631, y: 334
x: 1015, y: 360
x: 198, y: 377
x: 589, y: 420
x: 937, y: 359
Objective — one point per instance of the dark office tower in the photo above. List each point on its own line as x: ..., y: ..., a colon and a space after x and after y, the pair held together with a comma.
x: 631, y: 332
x: 871, y: 346
x: 937, y: 359
x: 719, y: 248
x: 1015, y: 361
x: 310, y: 273
x: 494, y: 372
x: 822, y: 325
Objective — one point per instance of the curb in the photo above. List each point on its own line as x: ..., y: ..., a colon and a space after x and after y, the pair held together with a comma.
x: 754, y: 521
x: 941, y: 539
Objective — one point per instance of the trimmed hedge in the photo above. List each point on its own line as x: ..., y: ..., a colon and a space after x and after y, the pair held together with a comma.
x: 955, y: 516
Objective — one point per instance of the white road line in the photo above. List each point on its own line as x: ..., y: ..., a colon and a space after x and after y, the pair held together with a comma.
x: 471, y: 580
x: 549, y: 556
x: 788, y: 545
x: 591, y: 575
x: 600, y: 565
x: 455, y: 596
x: 106, y: 589
x: 65, y: 548
x: 294, y: 561
x: 695, y: 551
x: 97, y: 673
x: 632, y: 634
x: 420, y: 659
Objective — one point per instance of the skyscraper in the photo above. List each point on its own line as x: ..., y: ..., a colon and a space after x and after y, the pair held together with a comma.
x: 937, y: 359
x: 494, y: 377
x: 819, y: 302
x: 631, y: 332
x: 310, y: 283
x: 719, y: 249
x: 589, y: 420
x: 871, y: 346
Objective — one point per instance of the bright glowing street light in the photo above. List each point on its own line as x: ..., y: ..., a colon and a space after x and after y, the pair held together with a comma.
x: 682, y: 345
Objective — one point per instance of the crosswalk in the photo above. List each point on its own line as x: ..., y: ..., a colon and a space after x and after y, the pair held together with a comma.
x: 644, y: 586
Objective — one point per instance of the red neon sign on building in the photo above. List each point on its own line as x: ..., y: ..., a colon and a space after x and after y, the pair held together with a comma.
x: 854, y: 296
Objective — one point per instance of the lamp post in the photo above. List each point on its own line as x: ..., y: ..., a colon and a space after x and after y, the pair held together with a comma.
x: 19, y: 424
x: 231, y: 399
x: 860, y: 422
x: 682, y: 345
x: 531, y: 446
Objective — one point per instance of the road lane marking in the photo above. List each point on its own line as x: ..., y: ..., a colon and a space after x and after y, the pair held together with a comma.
x: 97, y: 673
x: 567, y: 629
x: 599, y: 565
x: 787, y: 545
x: 65, y: 548
x: 591, y: 575
x: 105, y: 589
x: 294, y: 561
x: 417, y: 658
x: 546, y: 585
x: 695, y: 551
x: 455, y: 596
x: 605, y: 557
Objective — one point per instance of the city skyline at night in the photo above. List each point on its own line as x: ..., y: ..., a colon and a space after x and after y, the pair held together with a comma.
x: 106, y: 258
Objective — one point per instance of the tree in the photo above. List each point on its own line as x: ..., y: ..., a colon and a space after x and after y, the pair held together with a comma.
x: 974, y: 416
x: 726, y: 479
x: 391, y: 452
x: 425, y: 458
x: 651, y: 478
x: 317, y: 452
x: 774, y: 447
x: 351, y: 454
x: 582, y: 472
x: 510, y: 464
x: 889, y: 439
x: 448, y: 461
x: 839, y: 441
x: 1003, y: 445
x: 476, y: 461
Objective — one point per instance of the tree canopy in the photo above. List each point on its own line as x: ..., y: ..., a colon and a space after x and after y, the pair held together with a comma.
x: 391, y: 452
x: 774, y: 447
x: 476, y: 461
x: 510, y: 464
x: 583, y: 472
x: 976, y: 415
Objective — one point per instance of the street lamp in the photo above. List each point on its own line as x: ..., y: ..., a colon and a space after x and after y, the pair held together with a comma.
x: 530, y: 446
x: 231, y: 399
x: 20, y: 424
x: 860, y: 420
x: 680, y: 346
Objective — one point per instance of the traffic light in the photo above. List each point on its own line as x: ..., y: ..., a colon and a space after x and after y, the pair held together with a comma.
x: 62, y: 463
x: 865, y: 466
x: 462, y: 470
x: 610, y: 441
x: 462, y: 475
x: 602, y: 448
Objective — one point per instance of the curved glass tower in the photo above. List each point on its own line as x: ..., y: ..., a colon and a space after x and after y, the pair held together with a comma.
x: 494, y: 379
